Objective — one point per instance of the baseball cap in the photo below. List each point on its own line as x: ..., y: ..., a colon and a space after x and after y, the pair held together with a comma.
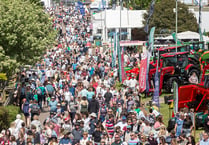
x: 124, y: 118
x: 129, y: 126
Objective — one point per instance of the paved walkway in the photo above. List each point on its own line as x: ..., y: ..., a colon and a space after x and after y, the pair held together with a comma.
x: 44, y: 115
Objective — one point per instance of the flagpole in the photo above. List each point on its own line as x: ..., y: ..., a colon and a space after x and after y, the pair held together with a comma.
x: 120, y: 20
x: 105, y: 22
x: 176, y: 22
x: 200, y: 21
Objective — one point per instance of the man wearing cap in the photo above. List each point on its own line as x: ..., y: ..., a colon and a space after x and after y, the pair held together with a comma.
x: 52, y: 104
x: 65, y: 139
x: 205, y: 140
x: 120, y: 100
x: 123, y: 124
x: 108, y: 96
x: 92, y: 123
x: 77, y: 134
x: 36, y: 135
x: 127, y: 134
x: 100, y: 99
x: 85, y: 138
x: 93, y: 105
x: 117, y: 140
x: 49, y: 89
x: 134, y: 139
x: 132, y: 83
x: 34, y: 109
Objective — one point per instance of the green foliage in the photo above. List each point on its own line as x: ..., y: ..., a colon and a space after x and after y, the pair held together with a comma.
x: 164, y: 17
x: 140, y: 4
x: 206, y: 33
x: 7, y: 65
x: 25, y: 31
x: 7, y: 115
x: 3, y: 76
x: 135, y: 4
x: 12, y: 111
x: 4, y: 124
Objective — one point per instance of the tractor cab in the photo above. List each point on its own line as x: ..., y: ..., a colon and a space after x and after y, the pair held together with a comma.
x: 163, y: 50
x: 178, y: 60
x: 176, y: 67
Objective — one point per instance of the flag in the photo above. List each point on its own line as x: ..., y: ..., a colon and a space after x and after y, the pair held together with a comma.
x: 175, y: 97
x: 112, y: 53
x: 149, y: 52
x: 156, y: 91
x: 103, y: 4
x: 79, y: 6
x: 115, y: 48
x: 173, y: 115
x: 142, y: 72
x: 151, y: 38
x: 122, y: 66
x: 175, y: 38
x: 200, y: 19
x: 151, y: 11
x: 119, y: 58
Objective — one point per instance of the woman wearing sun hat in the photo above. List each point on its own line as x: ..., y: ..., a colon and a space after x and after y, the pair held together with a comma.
x: 85, y: 138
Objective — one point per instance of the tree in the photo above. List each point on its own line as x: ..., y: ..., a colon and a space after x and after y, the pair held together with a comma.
x: 25, y: 31
x: 135, y: 4
x: 7, y: 65
x: 164, y: 17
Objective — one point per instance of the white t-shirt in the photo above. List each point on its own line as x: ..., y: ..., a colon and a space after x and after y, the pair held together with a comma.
x: 67, y: 96
x: 132, y: 83
x: 121, y: 124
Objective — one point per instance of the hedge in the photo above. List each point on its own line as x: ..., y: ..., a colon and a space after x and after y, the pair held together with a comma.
x: 7, y: 115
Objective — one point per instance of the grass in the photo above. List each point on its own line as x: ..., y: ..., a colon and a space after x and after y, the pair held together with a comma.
x: 164, y: 110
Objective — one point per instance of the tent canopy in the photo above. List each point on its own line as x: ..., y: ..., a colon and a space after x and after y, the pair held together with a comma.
x: 188, y: 35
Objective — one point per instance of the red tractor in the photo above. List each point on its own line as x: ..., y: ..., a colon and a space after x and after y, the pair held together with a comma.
x: 174, y: 67
x: 196, y: 95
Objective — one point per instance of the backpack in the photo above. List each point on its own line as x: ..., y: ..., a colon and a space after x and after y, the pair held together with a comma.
x: 84, y: 108
x: 152, y: 119
x: 26, y: 108
x: 35, y: 109
x: 39, y: 92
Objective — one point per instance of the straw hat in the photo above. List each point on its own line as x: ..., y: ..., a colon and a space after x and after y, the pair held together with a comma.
x: 93, y: 115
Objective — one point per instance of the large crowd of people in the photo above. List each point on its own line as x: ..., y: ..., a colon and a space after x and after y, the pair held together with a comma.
x: 77, y: 85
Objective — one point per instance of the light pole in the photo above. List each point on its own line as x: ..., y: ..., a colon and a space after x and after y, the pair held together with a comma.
x: 120, y: 20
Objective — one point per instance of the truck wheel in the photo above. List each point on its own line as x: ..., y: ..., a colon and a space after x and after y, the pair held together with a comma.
x: 169, y: 84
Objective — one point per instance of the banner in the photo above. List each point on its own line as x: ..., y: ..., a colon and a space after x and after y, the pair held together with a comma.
x: 150, y: 49
x: 79, y: 6
x: 199, y: 2
x: 175, y: 38
x: 200, y: 20
x: 122, y: 66
x: 175, y: 96
x: 142, y: 72
x: 119, y: 58
x: 156, y: 91
x: 151, y: 38
x: 112, y: 53
x: 115, y: 48
x: 151, y: 11
x: 103, y: 4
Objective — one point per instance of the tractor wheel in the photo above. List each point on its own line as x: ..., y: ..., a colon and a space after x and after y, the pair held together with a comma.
x: 193, y: 71
x: 169, y: 84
